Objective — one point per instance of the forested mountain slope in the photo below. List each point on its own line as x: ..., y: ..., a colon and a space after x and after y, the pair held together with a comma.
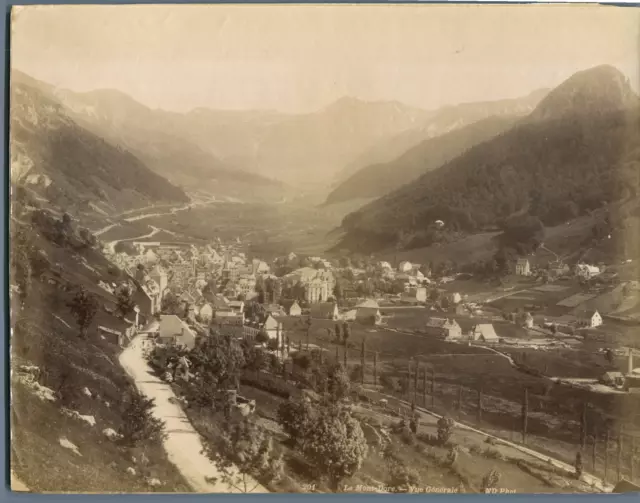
x: 380, y: 179
x: 577, y: 151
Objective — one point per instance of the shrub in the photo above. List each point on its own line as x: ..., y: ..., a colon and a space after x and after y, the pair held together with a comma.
x: 269, y: 384
x: 452, y: 456
x: 493, y: 454
x: 138, y: 422
x: 262, y: 337
x: 476, y: 449
x: 297, y: 418
x: 302, y: 361
x: 578, y: 465
x: 445, y: 429
x: 407, y: 436
x: 336, y: 445
x: 490, y: 480
x: 413, y: 423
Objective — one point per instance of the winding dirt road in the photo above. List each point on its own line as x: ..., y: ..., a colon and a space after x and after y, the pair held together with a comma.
x: 182, y: 444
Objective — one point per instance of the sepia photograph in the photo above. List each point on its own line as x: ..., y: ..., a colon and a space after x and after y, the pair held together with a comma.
x: 324, y: 248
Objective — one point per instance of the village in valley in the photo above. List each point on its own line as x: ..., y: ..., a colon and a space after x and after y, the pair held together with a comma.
x: 407, y: 335
x: 406, y: 264
x: 546, y: 308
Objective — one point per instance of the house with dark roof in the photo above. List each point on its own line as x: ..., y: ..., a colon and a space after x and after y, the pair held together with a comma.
x: 443, y: 327
x: 368, y: 312
x: 324, y: 311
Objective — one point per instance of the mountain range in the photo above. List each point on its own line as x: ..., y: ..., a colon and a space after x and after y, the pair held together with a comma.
x: 70, y: 167
x: 577, y: 150
x: 439, y: 122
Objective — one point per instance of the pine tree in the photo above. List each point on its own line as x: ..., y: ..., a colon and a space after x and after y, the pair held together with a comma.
x: 583, y: 427
x: 424, y: 386
x: 309, y: 322
x: 84, y: 307
x: 606, y: 453
x: 619, y: 460
x: 362, y: 363
x: 479, y: 407
x: 525, y: 415
x: 415, y: 383
x: 375, y: 369
x: 632, y: 465
x: 594, y: 447
x: 433, y: 387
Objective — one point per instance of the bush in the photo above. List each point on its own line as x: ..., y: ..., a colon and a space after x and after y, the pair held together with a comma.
x: 490, y: 480
x: 476, y: 449
x: 452, y: 456
x: 269, y: 384
x: 262, y: 337
x: 297, y: 418
x: 407, y: 436
x: 138, y: 422
x: 493, y: 454
x: 578, y: 465
x: 302, y: 361
x: 445, y: 429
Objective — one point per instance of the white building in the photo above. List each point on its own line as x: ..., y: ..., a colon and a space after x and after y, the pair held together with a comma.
x: 591, y: 320
x: 523, y: 268
x: 405, y: 266
x: 586, y: 271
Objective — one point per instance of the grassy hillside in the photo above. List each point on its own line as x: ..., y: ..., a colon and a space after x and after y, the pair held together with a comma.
x: 159, y: 139
x: 58, y: 377
x: 71, y: 167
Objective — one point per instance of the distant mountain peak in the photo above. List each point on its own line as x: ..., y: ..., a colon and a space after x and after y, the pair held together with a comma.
x: 594, y: 91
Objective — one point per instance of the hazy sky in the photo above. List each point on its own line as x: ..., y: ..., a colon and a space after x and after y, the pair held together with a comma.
x: 300, y: 58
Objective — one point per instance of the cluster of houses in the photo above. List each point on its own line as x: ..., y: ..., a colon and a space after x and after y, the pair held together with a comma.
x: 558, y: 268
x: 450, y: 331
x: 629, y: 381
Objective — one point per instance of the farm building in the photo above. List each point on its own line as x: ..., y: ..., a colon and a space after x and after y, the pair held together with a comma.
x: 325, y: 311
x: 523, y: 268
x: 484, y: 332
x: 368, y: 312
x: 591, y: 319
x: 442, y: 327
